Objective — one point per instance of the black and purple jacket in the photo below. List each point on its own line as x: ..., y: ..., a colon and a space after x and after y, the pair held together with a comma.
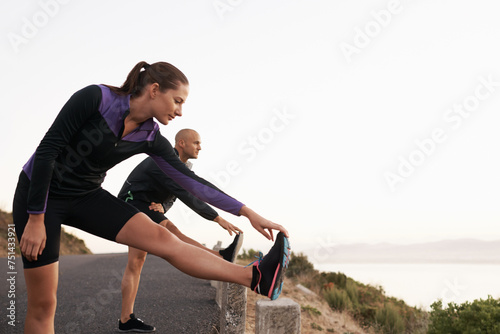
x: 84, y: 142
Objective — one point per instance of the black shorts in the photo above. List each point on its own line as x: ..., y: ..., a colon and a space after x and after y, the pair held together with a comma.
x: 98, y: 213
x: 143, y: 206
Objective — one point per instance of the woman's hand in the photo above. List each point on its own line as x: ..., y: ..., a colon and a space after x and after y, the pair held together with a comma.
x: 33, y: 240
x: 157, y: 207
x: 227, y: 225
x: 261, y: 224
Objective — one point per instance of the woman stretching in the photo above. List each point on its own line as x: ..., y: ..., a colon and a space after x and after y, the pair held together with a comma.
x: 96, y: 129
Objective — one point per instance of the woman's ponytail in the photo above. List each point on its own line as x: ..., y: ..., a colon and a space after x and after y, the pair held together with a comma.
x: 164, y: 74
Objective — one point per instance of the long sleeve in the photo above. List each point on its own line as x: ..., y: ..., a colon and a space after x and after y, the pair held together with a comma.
x: 40, y: 167
x: 198, y: 206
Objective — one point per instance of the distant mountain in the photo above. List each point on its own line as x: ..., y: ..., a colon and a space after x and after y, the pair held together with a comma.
x: 446, y: 251
x: 69, y: 243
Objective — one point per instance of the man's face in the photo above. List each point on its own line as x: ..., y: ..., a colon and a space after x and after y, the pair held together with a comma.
x: 192, y: 145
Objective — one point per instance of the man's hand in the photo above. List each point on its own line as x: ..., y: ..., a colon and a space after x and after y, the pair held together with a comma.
x: 157, y: 207
x: 261, y: 224
x: 227, y: 225
x: 34, y: 237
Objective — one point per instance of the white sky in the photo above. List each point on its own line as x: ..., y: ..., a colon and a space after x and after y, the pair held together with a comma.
x: 356, y: 88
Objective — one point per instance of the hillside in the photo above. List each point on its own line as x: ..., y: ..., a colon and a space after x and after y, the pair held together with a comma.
x: 69, y: 243
x: 334, y: 303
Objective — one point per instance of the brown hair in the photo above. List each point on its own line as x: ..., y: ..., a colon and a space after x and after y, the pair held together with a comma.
x: 164, y: 74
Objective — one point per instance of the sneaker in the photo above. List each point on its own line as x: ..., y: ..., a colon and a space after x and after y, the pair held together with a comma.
x: 230, y: 253
x: 135, y: 325
x: 269, y: 271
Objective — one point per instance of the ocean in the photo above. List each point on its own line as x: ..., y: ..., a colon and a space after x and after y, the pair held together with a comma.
x: 421, y: 284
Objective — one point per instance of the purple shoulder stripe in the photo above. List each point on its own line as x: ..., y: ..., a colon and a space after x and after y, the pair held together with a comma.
x: 112, y: 108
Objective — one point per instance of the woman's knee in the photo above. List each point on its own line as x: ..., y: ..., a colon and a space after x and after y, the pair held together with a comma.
x: 41, y: 286
x: 44, y: 303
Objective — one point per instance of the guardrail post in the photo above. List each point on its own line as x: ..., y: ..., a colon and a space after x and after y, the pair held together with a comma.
x: 234, y: 308
x: 281, y: 316
x: 217, y: 284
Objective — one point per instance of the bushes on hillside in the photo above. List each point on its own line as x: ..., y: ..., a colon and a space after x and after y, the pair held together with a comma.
x: 251, y: 254
x: 299, y: 265
x: 480, y: 316
x: 368, y: 304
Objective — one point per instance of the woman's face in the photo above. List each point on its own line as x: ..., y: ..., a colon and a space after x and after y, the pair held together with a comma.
x: 168, y: 105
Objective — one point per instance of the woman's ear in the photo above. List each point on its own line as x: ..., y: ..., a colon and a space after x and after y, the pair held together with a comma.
x: 153, y: 90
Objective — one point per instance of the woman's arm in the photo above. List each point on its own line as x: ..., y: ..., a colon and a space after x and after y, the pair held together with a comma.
x: 207, y: 192
x: 74, y: 113
x: 72, y: 116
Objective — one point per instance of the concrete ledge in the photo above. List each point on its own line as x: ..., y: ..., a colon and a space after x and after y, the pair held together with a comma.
x: 281, y: 316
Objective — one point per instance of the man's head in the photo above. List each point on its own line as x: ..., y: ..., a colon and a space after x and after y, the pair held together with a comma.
x: 188, y: 144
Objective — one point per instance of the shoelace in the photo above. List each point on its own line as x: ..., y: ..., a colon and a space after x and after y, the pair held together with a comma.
x: 259, y: 259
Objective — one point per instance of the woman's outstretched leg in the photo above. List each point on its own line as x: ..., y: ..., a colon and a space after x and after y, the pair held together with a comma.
x: 142, y: 233
x: 41, y: 286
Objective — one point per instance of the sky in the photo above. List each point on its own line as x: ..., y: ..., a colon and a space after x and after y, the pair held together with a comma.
x: 344, y: 121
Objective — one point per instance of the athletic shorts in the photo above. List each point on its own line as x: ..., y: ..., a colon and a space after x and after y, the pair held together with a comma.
x: 143, y: 207
x: 98, y: 213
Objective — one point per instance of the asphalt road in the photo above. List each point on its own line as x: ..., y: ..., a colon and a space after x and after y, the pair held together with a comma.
x: 89, y: 297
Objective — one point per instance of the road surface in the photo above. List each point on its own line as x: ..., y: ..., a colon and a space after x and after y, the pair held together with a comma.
x: 89, y: 297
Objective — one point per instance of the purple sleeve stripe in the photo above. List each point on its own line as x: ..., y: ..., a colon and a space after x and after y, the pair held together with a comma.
x: 44, y: 206
x: 28, y: 169
x: 28, y: 166
x: 199, y: 190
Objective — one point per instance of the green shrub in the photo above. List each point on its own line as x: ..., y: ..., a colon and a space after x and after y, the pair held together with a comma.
x: 251, y: 254
x: 337, y: 299
x: 339, y: 279
x: 366, y: 314
x: 480, y: 316
x: 299, y: 265
x: 389, y: 320
x: 352, y: 292
x: 316, y: 326
x: 311, y: 310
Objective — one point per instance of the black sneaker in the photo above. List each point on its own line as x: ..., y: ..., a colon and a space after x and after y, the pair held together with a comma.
x: 269, y: 272
x: 135, y: 325
x: 230, y: 253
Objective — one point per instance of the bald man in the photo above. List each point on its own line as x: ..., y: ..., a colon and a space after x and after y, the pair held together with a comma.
x: 153, y: 193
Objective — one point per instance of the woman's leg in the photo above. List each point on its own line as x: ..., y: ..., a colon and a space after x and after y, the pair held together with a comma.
x: 172, y: 228
x: 41, y: 286
x: 140, y: 232
x: 41, y: 276
x: 130, y: 281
